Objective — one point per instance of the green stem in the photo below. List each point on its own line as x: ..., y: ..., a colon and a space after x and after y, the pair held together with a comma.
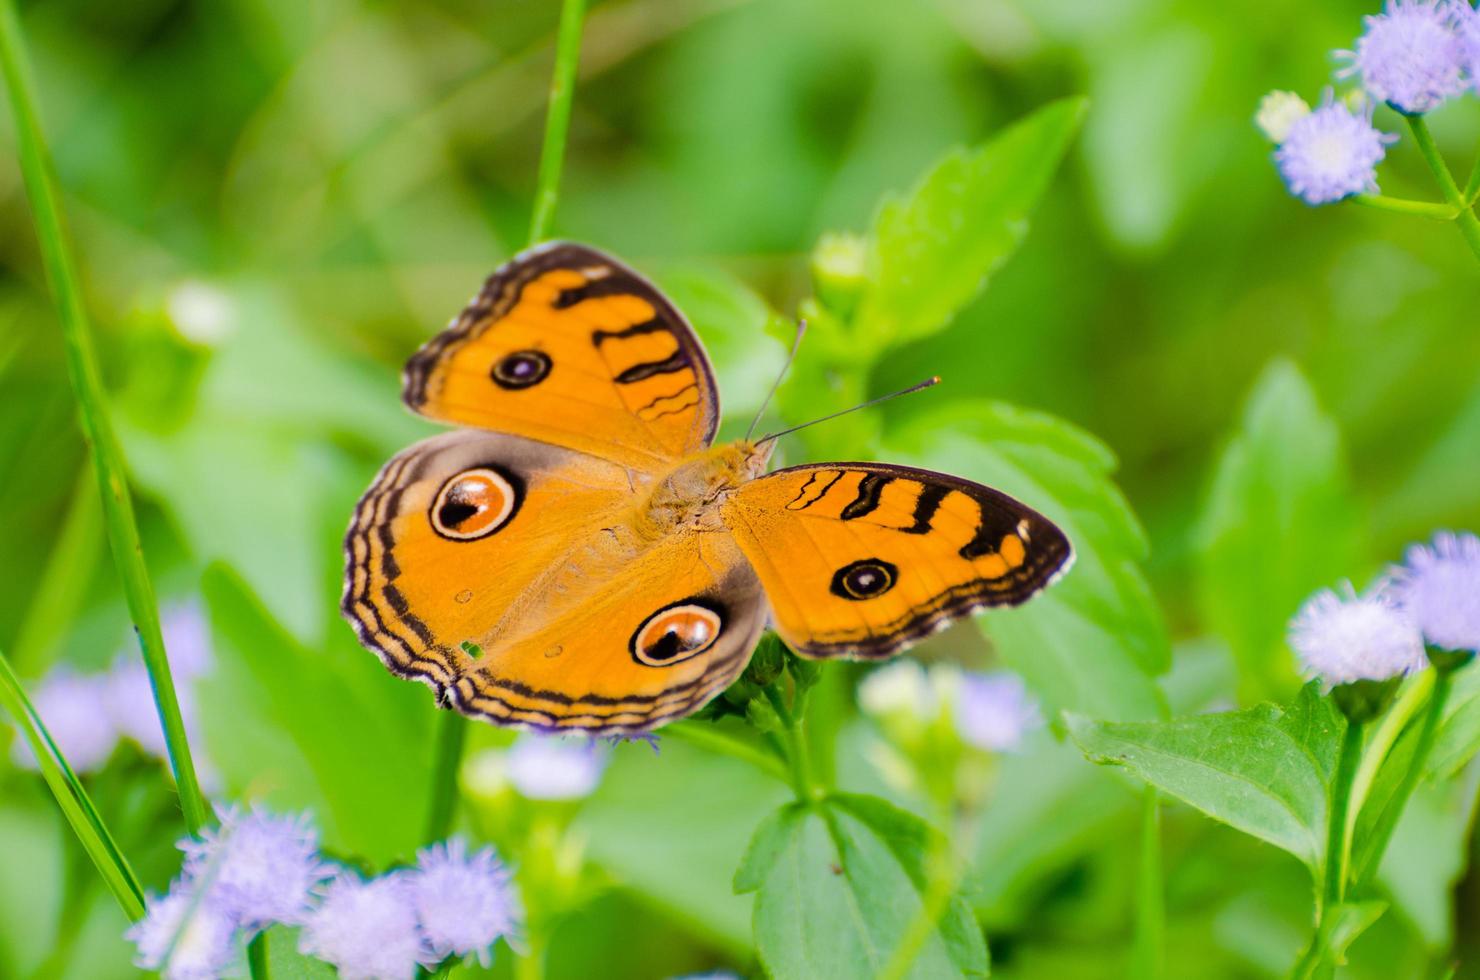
x: 452, y: 735
x: 1382, y: 832
x: 71, y: 797
x: 1414, y: 694
x: 257, y: 957
x: 1422, y: 209
x: 1469, y: 225
x: 1313, y: 961
x: 1147, y: 960
x: 704, y: 735
x: 798, y: 757
x: 531, y: 965
x: 97, y: 427
x: 1472, y: 186
x: 557, y: 118
x: 1338, y: 842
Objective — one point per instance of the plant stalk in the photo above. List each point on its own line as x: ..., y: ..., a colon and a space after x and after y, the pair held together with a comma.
x: 1147, y: 956
x: 97, y: 427
x: 452, y: 735
x: 1469, y: 225
x: 557, y: 118
x: 1382, y: 832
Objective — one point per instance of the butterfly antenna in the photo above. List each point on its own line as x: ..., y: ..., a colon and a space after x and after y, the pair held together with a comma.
x: 927, y: 383
x: 765, y: 403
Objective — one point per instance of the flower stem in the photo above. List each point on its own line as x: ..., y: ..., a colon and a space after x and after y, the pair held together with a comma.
x: 1382, y: 832
x: 797, y: 754
x: 1147, y: 960
x: 452, y: 734
x: 257, y: 957
x: 1422, y: 209
x: 704, y: 735
x: 97, y: 427
x: 1313, y: 962
x: 557, y: 118
x: 1469, y: 225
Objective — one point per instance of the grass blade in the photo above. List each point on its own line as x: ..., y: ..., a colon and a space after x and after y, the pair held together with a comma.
x: 97, y: 427
x: 76, y: 805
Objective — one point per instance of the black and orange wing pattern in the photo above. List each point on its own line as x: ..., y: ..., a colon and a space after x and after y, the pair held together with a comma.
x: 568, y: 346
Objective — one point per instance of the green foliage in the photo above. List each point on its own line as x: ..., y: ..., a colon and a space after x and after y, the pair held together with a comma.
x: 931, y: 251
x: 1247, y: 769
x: 1279, y: 522
x: 1166, y: 276
x: 838, y: 885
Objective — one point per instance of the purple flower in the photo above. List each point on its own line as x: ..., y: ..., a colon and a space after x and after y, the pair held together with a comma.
x: 71, y: 706
x: 1467, y: 27
x: 1409, y: 56
x: 184, y: 935
x: 546, y: 767
x: 367, y: 929
x: 261, y: 869
x: 1344, y: 638
x: 1439, y: 588
x: 995, y: 711
x: 464, y: 903
x: 1331, y: 153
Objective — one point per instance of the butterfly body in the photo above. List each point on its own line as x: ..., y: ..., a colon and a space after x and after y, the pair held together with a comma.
x: 579, y: 556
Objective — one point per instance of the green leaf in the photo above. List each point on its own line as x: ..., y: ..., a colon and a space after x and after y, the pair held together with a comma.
x: 930, y: 252
x: 1278, y: 523
x: 1340, y: 927
x: 765, y: 848
x: 840, y: 883
x: 1093, y: 641
x: 284, y: 962
x: 1459, y: 732
x: 1315, y: 724
x: 1242, y: 768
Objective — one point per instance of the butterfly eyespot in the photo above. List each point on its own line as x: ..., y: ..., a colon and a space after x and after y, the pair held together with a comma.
x: 864, y: 579
x: 675, y: 634
x: 521, y: 369
x: 474, y: 504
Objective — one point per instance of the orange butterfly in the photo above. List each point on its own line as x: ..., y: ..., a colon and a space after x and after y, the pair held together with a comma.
x: 581, y: 558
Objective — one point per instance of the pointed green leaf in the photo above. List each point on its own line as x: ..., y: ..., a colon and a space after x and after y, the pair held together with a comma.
x: 1278, y: 523
x: 931, y: 251
x: 839, y: 885
x: 1242, y: 768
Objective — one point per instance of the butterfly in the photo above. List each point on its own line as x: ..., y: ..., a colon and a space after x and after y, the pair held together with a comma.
x: 579, y: 556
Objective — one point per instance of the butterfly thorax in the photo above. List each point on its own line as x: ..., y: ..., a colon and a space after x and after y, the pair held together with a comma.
x: 690, y: 494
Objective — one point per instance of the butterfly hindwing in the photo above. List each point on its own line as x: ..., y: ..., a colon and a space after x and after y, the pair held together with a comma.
x: 509, y: 576
x: 861, y: 559
x: 568, y: 346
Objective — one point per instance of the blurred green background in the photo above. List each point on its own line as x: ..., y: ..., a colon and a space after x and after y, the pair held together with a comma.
x: 274, y: 203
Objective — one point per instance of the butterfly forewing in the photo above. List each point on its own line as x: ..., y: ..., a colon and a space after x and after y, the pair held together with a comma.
x: 568, y: 346
x: 861, y: 559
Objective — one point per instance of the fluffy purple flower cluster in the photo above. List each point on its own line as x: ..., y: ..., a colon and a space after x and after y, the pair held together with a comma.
x: 1433, y: 597
x: 1413, y: 56
x: 89, y: 714
x: 258, y: 870
x: 992, y: 711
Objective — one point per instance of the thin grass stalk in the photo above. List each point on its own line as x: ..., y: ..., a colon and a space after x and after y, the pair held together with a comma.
x: 71, y: 797
x: 97, y: 427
